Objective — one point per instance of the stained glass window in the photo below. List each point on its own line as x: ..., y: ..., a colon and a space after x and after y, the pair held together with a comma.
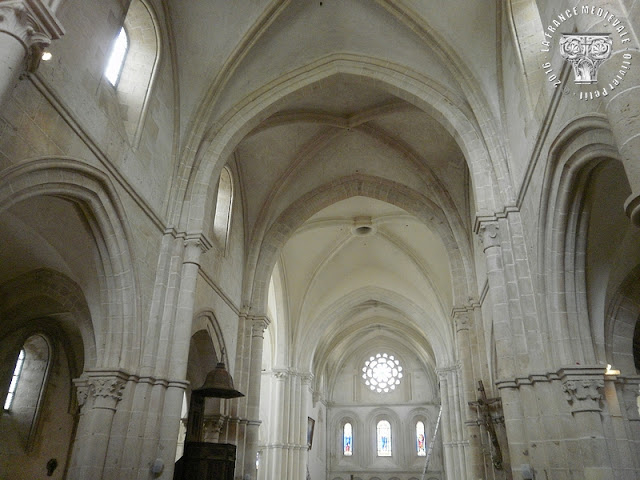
x: 421, y: 444
x: 384, y: 438
x: 14, y: 381
x: 347, y: 440
x: 382, y: 373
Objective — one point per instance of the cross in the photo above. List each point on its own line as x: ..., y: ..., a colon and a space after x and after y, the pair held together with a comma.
x: 483, y: 407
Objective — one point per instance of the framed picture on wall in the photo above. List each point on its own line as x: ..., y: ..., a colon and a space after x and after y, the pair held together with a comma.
x: 311, y: 423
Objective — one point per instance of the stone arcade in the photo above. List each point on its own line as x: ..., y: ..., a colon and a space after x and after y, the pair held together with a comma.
x: 372, y: 211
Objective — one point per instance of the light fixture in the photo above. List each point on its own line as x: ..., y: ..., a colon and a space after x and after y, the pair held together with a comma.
x: 46, y: 56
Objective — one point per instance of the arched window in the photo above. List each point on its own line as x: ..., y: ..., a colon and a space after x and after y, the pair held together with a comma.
x: 222, y: 221
x: 421, y: 441
x: 383, y: 437
x: 15, y: 378
x: 132, y: 65
x: 26, y: 390
x: 347, y: 440
x: 116, y: 59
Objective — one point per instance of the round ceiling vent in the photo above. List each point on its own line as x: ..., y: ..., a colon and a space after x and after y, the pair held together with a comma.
x: 362, y: 226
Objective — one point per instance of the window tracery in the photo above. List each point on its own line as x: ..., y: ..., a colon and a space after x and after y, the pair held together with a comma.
x: 382, y: 373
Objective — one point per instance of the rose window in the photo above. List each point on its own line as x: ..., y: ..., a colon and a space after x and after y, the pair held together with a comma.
x: 382, y: 373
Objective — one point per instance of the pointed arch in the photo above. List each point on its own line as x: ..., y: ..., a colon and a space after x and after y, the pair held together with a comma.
x: 579, y: 148
x: 222, y: 137
x: 118, y: 332
x: 264, y: 251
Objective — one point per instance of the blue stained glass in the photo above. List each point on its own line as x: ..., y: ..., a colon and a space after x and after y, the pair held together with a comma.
x: 384, y: 438
x: 347, y: 440
x: 421, y: 444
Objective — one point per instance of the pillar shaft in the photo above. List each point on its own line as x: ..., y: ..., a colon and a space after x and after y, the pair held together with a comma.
x: 26, y: 28
x: 473, y: 457
x: 258, y: 326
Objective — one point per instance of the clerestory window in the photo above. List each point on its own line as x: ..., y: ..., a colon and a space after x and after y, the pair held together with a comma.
x: 132, y: 66
x: 224, y: 204
x: 117, y: 57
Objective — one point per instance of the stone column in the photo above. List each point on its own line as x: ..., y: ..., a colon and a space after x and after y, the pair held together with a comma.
x: 276, y: 458
x: 504, y: 339
x: 26, y: 28
x: 622, y: 72
x: 305, y: 399
x: 99, y: 393
x: 473, y: 457
x: 583, y: 387
x: 445, y: 426
x: 258, y: 326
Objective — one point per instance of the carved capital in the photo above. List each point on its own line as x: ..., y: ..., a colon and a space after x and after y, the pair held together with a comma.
x: 489, y: 234
x: 108, y: 387
x: 583, y: 387
x: 82, y: 390
x: 584, y: 395
x: 280, y: 374
x: 306, y: 378
x: 462, y: 321
x: 32, y: 24
x: 195, y: 245
x: 258, y: 326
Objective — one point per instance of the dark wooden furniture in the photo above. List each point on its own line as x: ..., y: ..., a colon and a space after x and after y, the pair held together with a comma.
x: 206, y: 461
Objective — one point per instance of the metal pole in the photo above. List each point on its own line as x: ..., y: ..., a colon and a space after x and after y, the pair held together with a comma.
x: 432, y: 444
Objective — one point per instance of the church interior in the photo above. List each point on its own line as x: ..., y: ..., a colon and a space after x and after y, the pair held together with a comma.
x: 407, y: 231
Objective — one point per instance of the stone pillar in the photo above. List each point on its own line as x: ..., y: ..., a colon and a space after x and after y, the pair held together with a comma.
x: 622, y: 102
x: 504, y: 338
x: 99, y: 393
x: 305, y: 399
x: 473, y: 456
x: 276, y: 458
x: 258, y: 326
x: 26, y: 28
x: 445, y: 426
x: 171, y: 404
x: 583, y: 386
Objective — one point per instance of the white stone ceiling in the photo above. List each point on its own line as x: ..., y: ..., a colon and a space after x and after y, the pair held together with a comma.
x: 340, y: 126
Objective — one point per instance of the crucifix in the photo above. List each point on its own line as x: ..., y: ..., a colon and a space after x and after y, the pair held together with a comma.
x: 483, y: 406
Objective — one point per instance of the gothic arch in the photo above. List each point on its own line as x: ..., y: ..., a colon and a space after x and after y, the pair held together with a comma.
x: 400, y: 311
x: 263, y: 252
x: 205, y: 320
x: 451, y: 112
x: 118, y: 332
x: 579, y: 148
